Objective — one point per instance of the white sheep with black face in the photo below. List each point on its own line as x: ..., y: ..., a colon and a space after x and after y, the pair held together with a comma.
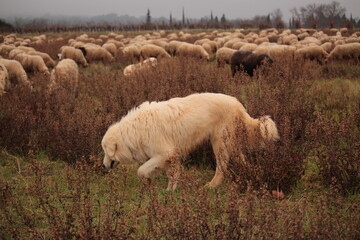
x: 76, y: 54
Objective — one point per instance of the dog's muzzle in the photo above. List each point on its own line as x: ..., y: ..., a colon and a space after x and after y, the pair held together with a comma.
x: 112, y: 164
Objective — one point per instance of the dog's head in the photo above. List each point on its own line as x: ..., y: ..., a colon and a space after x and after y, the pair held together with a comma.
x: 115, y: 151
x: 268, y: 130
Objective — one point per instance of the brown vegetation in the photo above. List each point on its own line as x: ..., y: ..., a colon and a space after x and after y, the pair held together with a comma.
x: 316, y: 127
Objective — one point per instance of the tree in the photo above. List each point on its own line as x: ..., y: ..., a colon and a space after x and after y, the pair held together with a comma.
x: 183, y: 16
x: 170, y: 21
x: 211, y: 16
x: 223, y: 19
x: 148, y: 17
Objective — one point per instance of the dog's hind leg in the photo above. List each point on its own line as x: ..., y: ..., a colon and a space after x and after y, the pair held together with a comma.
x: 173, y: 171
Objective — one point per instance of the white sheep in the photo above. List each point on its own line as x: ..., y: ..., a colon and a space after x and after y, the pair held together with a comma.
x: 249, y: 47
x: 172, y: 47
x: 131, y: 69
x: 16, y: 72
x: 65, y: 75
x: 4, y: 79
x: 111, y: 48
x: 223, y: 55
x: 150, y: 50
x: 5, y: 50
x: 46, y: 57
x: 312, y: 53
x: 32, y: 63
x: 97, y: 53
x: 348, y: 50
x: 191, y: 50
x: 131, y: 52
x: 76, y: 54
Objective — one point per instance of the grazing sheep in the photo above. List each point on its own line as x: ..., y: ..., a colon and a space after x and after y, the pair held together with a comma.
x: 312, y: 53
x: 223, y: 55
x: 16, y: 72
x: 96, y: 53
x: 76, y: 54
x: 5, y: 50
x: 159, y: 134
x: 131, y: 69
x: 132, y: 52
x: 172, y: 47
x: 47, y: 59
x: 32, y: 63
x: 191, y: 50
x: 111, y: 48
x: 347, y: 51
x: 12, y: 54
x: 150, y: 50
x: 248, y: 61
x: 65, y: 75
x: 4, y: 78
x: 249, y: 47
x: 328, y: 46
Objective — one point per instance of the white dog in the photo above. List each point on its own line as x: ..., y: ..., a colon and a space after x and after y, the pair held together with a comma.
x: 158, y: 134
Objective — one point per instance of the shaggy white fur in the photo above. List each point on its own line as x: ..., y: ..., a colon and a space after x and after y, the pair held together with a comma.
x: 158, y: 134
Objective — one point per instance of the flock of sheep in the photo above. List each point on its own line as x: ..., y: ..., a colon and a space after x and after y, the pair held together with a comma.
x: 19, y: 57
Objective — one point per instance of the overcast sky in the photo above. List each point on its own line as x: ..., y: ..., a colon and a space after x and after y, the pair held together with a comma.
x: 193, y: 8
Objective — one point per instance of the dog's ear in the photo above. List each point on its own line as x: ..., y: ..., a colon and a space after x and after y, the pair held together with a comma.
x: 111, y: 149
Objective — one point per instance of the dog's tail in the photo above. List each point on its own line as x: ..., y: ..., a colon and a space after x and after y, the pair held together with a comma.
x: 268, y: 129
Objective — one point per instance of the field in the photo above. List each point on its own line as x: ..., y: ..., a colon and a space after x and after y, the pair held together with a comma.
x: 53, y: 186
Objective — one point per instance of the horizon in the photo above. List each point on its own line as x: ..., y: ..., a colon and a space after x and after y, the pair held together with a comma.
x: 159, y: 8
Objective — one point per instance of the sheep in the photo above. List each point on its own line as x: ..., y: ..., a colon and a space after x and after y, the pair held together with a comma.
x: 223, y: 55
x: 131, y: 69
x: 312, y: 53
x: 32, y: 63
x: 5, y: 50
x: 47, y: 59
x: 12, y: 54
x: 76, y: 54
x: 97, y: 53
x: 4, y: 78
x: 150, y: 50
x: 172, y: 47
x: 348, y: 50
x: 249, y: 47
x: 131, y: 52
x: 248, y: 61
x: 16, y: 72
x: 111, y: 48
x: 328, y: 46
x: 191, y: 50
x: 65, y: 75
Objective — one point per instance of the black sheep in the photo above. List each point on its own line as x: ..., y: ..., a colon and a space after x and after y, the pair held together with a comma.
x: 248, y: 61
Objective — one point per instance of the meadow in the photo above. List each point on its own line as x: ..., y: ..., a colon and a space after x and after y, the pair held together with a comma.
x: 53, y: 186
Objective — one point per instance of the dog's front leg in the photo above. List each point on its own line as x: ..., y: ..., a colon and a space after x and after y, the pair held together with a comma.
x: 151, y: 167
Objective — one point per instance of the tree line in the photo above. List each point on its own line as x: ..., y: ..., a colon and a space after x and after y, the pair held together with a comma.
x: 309, y: 16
